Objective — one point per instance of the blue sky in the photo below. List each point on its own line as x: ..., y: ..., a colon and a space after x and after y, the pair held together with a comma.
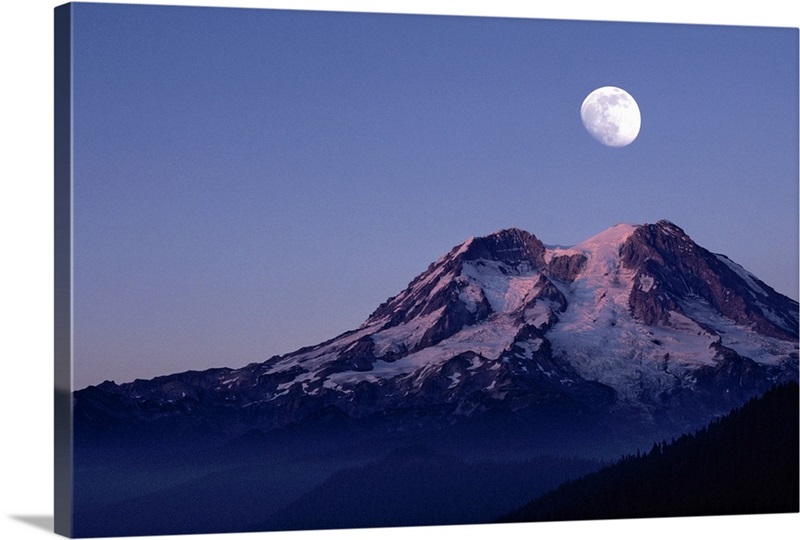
x: 248, y: 182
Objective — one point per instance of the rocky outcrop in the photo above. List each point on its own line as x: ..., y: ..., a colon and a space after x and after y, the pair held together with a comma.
x: 546, y: 290
x: 670, y: 266
x: 513, y: 247
x: 567, y: 267
x: 650, y: 301
x: 455, y: 315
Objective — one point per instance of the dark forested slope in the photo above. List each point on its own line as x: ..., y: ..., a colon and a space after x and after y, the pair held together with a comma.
x: 743, y: 463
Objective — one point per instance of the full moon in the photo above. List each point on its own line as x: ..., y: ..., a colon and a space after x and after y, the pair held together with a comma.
x: 611, y: 116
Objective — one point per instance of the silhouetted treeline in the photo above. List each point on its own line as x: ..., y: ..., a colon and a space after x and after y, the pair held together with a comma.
x: 743, y: 463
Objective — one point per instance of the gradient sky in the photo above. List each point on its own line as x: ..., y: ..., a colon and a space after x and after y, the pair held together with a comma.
x: 247, y: 182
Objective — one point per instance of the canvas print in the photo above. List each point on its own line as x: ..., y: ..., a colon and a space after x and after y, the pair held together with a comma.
x: 336, y: 270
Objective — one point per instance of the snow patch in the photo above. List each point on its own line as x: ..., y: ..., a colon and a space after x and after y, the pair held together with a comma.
x: 539, y: 315
x: 489, y: 339
x: 475, y: 363
x: 604, y: 343
x: 406, y: 334
x: 316, y: 357
x: 746, y: 342
x: 776, y: 319
x: 545, y: 372
x: 454, y: 378
x: 471, y: 296
x: 464, y: 247
x: 505, y: 288
x: 553, y: 250
x: 530, y: 347
x: 646, y: 283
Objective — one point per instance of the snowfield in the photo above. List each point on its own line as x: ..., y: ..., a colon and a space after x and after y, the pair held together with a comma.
x: 596, y: 334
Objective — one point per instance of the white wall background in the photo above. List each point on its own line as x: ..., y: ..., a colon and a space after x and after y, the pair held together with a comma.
x: 26, y: 378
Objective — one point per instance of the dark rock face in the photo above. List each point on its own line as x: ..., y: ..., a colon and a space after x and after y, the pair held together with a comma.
x: 679, y: 269
x: 358, y: 357
x: 548, y: 291
x: 438, y: 289
x: 513, y: 247
x: 567, y: 267
x: 455, y: 316
x: 650, y: 301
x: 417, y: 299
x: 533, y: 373
x: 739, y: 377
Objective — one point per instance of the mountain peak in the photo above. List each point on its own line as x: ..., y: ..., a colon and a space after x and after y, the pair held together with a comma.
x: 612, y: 237
x: 511, y: 246
x: 671, y: 270
x: 667, y: 225
x: 510, y: 232
x: 666, y: 230
x: 637, y: 322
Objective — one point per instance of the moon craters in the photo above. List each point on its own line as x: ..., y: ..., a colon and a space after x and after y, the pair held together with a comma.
x: 611, y: 116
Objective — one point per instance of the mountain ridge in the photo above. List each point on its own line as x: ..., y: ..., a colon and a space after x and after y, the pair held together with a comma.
x: 636, y: 323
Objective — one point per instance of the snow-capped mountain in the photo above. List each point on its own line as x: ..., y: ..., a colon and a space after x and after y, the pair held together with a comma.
x: 636, y: 324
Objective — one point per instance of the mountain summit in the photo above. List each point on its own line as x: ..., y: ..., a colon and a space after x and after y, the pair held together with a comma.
x: 637, y: 326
